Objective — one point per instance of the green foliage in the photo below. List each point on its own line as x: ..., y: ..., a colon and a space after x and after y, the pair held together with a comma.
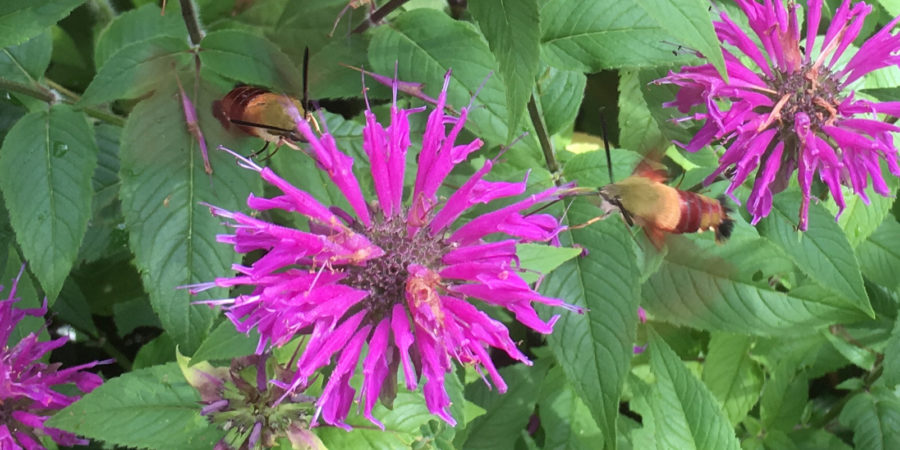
x: 149, y: 408
x: 874, y: 418
x: 20, y: 21
x: 731, y: 374
x: 638, y: 129
x: 560, y: 93
x: 27, y: 61
x: 685, y: 412
x: 136, y: 69
x: 172, y: 234
x: 778, y: 338
x: 687, y: 21
x: 249, y: 59
x: 426, y: 44
x: 513, y: 33
x: 591, y: 36
x: 594, y: 349
x: 566, y: 420
x: 224, y: 342
x: 505, y: 415
x: 46, y: 164
x: 823, y: 253
x: 716, y: 289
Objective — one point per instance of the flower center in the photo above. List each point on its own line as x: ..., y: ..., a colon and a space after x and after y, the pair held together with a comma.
x: 809, y: 90
x: 385, y: 277
x: 10, y: 405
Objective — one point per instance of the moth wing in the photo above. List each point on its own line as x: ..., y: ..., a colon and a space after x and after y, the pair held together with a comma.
x: 652, y: 170
x: 656, y: 236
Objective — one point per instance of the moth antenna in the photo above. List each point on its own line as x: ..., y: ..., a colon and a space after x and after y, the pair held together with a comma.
x: 305, y: 80
x: 606, y: 145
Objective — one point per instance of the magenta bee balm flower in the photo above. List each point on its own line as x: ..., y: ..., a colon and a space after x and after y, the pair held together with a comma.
x: 402, y: 279
x: 789, y: 103
x: 28, y: 394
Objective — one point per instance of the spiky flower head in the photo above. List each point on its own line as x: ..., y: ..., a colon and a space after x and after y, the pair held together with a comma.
x: 402, y: 278
x: 28, y: 387
x: 254, y: 412
x: 789, y: 104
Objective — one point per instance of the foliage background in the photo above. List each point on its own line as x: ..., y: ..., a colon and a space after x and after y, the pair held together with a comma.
x: 777, y: 339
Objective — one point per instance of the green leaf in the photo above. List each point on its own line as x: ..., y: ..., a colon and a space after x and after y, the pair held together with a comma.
x: 46, y: 164
x: 224, y: 342
x: 784, y: 397
x: 102, y: 236
x: 513, y: 33
x: 27, y: 62
x: 106, y: 177
x: 860, y: 220
x: 70, y: 59
x: 541, y: 259
x: 250, y: 59
x: 713, y: 288
x: 656, y: 95
x: 134, y: 313
x: 862, y: 357
x: 892, y: 357
x: 133, y: 26
x: 158, y: 351
x: 590, y: 168
x: 72, y: 307
x: 689, y: 23
x: 565, y: 419
x: 7, y: 241
x: 560, y: 93
x: 891, y: 6
x: 595, y: 348
x: 20, y: 21
x: 9, y: 115
x: 731, y: 375
x: 153, y: 408
x: 172, y: 235
x: 136, y: 69
x: 309, y: 23
x: 822, y: 252
x: 507, y: 413
x: 328, y: 78
x: 817, y: 439
x: 641, y: 391
x: 879, y: 255
x: 589, y: 36
x: 637, y: 128
x: 874, y: 418
x: 425, y: 44
x: 686, y: 413
x: 884, y: 94
x: 778, y: 439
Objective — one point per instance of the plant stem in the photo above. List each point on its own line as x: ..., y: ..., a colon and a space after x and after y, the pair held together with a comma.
x: 41, y: 93
x: 191, y: 21
x: 379, y: 14
x: 121, y: 359
x: 38, y: 92
x: 71, y: 98
x: 543, y: 137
